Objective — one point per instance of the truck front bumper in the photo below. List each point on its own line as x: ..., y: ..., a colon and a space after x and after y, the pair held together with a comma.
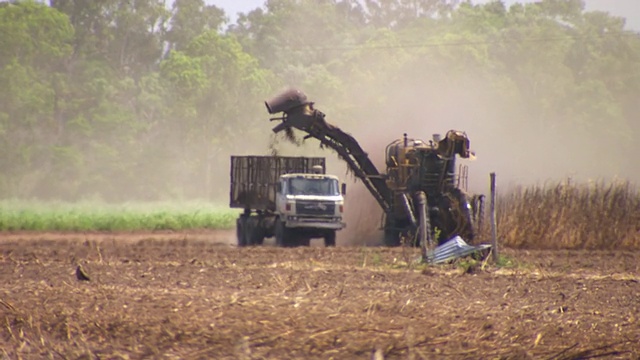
x: 316, y: 223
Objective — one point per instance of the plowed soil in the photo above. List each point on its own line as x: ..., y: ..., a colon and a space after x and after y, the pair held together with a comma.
x: 196, y: 296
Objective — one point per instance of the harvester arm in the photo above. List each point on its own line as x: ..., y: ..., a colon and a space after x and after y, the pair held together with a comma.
x: 300, y: 114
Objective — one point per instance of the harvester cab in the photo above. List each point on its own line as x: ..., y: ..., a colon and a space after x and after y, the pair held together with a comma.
x: 413, y: 164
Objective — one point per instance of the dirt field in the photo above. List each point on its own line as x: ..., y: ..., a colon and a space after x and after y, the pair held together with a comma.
x: 194, y: 296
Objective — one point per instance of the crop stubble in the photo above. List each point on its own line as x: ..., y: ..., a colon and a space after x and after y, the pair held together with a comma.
x: 193, y: 299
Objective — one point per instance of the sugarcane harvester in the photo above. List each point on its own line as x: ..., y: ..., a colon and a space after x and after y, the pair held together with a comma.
x: 419, y: 194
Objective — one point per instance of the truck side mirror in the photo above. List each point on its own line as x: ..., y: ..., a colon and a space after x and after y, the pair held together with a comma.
x: 279, y: 187
x: 344, y: 189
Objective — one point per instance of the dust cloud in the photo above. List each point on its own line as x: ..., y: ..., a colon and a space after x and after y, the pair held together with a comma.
x: 522, y: 147
x: 378, y: 103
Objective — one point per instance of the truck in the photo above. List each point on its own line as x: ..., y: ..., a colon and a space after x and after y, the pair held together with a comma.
x: 289, y: 198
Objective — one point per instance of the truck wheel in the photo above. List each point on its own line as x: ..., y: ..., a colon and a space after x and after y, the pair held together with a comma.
x: 241, y: 223
x: 258, y: 236
x: 248, y: 233
x: 283, y: 237
x: 254, y: 233
x: 330, y: 238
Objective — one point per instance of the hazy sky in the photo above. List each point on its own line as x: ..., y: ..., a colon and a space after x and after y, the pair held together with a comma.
x: 629, y: 9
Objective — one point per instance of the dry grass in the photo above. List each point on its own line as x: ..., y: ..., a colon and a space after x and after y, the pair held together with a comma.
x: 596, y: 215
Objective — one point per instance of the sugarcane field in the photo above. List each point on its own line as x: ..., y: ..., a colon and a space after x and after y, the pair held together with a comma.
x: 198, y: 296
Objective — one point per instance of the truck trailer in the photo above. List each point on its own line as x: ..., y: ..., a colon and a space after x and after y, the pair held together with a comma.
x: 289, y: 198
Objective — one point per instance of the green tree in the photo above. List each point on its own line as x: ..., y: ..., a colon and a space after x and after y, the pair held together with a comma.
x: 130, y: 100
x: 291, y: 32
x: 400, y: 13
x: 35, y: 41
x: 191, y: 18
x: 127, y: 34
x: 213, y: 80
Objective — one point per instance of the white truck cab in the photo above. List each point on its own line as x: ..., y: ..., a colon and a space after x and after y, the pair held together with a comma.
x: 314, y: 201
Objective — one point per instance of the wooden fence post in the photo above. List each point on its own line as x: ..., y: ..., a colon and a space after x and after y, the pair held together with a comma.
x: 494, y: 236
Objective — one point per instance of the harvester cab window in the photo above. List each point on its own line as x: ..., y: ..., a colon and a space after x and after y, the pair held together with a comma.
x: 313, y: 186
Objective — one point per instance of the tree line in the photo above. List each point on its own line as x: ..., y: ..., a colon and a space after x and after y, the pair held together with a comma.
x: 134, y: 100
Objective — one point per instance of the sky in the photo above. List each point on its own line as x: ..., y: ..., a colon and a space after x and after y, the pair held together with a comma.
x: 629, y: 9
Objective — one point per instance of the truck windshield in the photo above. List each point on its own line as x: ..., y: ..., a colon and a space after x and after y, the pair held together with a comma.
x: 309, y: 186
